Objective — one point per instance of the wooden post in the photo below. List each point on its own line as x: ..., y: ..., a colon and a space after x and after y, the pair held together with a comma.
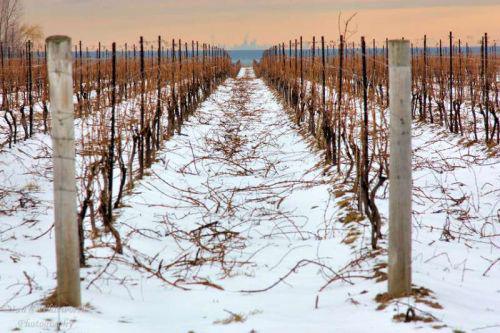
x: 126, y: 72
x: 452, y: 128
x: 30, y: 86
x: 142, y: 109
x: 424, y: 83
x: 312, y: 78
x: 295, y: 71
x: 339, y: 102
x: 159, y: 135
x: 365, y: 161
x: 482, y: 87
x: 400, y: 180
x: 180, y: 116
x: 289, y: 84
x: 301, y: 68
x: 60, y: 76
x: 99, y: 75
x: 301, y: 93
x: 172, y: 109
x: 111, y: 152
x: 323, y: 76
x: 486, y: 91
x: 81, y: 68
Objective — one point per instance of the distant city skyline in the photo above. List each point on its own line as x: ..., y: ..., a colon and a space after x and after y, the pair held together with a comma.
x: 240, y: 24
x: 248, y: 43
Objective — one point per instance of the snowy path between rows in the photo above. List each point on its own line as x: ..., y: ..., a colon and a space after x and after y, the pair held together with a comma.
x: 230, y: 207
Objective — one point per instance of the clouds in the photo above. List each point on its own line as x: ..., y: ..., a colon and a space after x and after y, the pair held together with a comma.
x: 228, y: 21
x: 214, y: 5
x: 173, y: 8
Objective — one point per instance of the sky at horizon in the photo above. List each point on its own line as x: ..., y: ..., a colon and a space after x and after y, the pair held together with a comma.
x: 243, y: 24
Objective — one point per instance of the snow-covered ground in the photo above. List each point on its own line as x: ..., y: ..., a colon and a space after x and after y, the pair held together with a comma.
x: 239, y: 228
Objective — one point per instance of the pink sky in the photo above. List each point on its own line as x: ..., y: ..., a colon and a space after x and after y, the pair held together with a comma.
x: 266, y: 21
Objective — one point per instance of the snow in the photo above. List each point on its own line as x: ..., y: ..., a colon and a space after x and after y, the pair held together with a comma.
x: 243, y: 168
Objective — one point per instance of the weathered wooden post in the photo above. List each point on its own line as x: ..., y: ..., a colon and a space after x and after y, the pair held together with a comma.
x: 60, y: 76
x: 400, y: 180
